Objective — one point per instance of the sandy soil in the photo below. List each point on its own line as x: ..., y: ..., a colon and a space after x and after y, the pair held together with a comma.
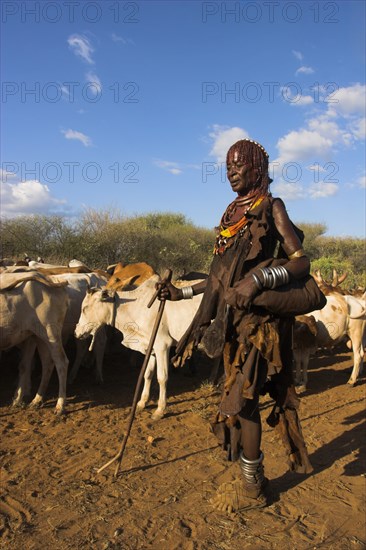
x: 51, y: 496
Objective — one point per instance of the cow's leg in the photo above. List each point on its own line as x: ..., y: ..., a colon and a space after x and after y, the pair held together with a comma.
x: 162, y: 360
x: 61, y: 362
x: 99, y: 349
x: 149, y: 373
x: 81, y: 349
x: 53, y: 353
x: 358, y: 354
x: 47, y: 368
x: 27, y: 349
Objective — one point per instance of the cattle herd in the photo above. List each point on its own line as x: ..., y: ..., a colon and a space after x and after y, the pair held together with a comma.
x: 43, y: 306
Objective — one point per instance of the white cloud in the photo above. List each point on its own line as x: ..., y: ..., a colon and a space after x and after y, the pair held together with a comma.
x: 27, y: 197
x: 117, y: 38
x: 316, y: 168
x: 224, y: 137
x: 169, y: 166
x: 302, y: 101
x: 361, y: 182
x: 297, y: 100
x: 81, y: 47
x: 296, y: 191
x: 358, y: 128
x: 322, y: 137
x: 79, y: 136
x: 302, y: 145
x: 298, y: 55
x: 5, y: 175
x: 94, y: 79
x: 288, y: 191
x: 65, y: 90
x: 321, y: 190
x: 329, y: 129
x: 305, y: 70
x: 341, y: 124
x: 347, y: 101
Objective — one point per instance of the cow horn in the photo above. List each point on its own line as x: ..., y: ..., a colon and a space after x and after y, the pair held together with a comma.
x: 342, y: 277
x: 317, y: 276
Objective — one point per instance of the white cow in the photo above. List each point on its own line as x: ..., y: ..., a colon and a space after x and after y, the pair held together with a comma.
x: 128, y: 312
x: 32, y: 310
x: 40, y: 265
x: 342, y: 316
x: 77, y: 284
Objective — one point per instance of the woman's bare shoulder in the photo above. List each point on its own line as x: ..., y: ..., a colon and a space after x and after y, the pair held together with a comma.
x: 278, y: 206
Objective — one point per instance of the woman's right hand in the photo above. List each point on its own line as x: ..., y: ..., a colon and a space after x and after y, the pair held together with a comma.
x: 167, y: 291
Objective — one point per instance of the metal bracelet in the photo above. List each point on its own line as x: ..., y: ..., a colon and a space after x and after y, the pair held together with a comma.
x: 257, y: 281
x: 274, y: 276
x: 280, y: 276
x: 187, y: 292
x: 267, y: 277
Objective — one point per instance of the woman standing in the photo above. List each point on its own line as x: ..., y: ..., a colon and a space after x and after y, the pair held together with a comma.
x: 256, y: 344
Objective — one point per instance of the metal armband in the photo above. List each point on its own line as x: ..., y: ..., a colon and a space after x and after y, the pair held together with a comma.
x: 297, y: 254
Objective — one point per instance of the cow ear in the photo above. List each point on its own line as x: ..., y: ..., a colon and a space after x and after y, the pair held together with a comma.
x: 92, y: 289
x: 107, y: 295
x: 110, y: 269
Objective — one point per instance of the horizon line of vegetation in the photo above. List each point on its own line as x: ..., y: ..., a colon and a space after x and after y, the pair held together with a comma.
x: 161, y: 239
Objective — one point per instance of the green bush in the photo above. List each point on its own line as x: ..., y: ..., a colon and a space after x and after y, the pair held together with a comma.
x: 162, y: 239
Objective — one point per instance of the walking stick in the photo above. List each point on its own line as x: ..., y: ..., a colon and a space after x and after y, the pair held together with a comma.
x: 166, y: 277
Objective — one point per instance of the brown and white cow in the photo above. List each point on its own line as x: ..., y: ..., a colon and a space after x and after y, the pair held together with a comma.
x: 130, y: 275
x: 342, y: 317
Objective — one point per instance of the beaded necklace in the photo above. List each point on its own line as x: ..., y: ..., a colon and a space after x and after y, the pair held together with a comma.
x: 226, y: 232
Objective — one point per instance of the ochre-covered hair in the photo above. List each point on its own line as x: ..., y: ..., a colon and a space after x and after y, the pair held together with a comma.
x: 252, y: 152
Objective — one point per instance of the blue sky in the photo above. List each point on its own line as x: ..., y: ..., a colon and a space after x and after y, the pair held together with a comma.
x: 133, y: 105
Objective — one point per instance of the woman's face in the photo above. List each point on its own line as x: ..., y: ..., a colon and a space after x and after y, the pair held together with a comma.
x: 241, y: 175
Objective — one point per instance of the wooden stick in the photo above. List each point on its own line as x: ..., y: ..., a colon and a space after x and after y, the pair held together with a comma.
x: 166, y: 277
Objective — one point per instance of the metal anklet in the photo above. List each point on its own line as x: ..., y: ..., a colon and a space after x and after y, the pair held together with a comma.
x: 253, y: 470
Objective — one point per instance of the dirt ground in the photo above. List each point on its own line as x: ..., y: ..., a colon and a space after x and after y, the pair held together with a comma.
x: 51, y: 496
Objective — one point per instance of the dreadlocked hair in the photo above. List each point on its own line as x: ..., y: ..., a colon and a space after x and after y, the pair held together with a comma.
x: 254, y: 153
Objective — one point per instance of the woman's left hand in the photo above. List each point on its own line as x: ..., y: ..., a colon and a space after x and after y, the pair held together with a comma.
x: 240, y: 296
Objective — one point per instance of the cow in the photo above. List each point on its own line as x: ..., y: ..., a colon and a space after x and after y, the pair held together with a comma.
x: 130, y: 275
x: 342, y: 316
x: 77, y: 285
x: 72, y: 263
x: 304, y: 345
x: 34, y: 307
x: 120, y: 277
x: 128, y: 312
